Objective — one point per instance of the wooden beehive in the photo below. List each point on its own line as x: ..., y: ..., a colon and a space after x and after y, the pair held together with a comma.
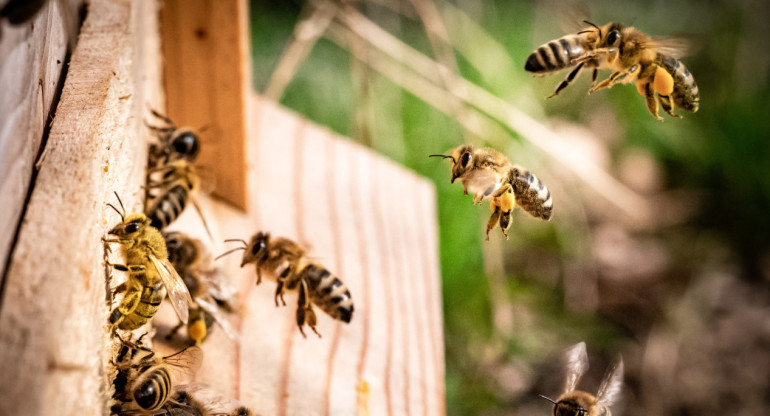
x: 367, y: 219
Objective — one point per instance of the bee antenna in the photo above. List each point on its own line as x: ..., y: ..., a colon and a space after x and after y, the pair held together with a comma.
x: 122, y: 215
x: 228, y: 252
x: 597, y: 28
x: 550, y: 400
x: 588, y: 23
x: 230, y: 240
x: 444, y: 157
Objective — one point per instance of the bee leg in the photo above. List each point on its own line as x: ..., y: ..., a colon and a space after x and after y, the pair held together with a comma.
x: 493, y: 218
x: 305, y: 313
x: 567, y: 80
x: 668, y: 107
x: 505, y: 222
x: 259, y: 276
x: 279, y: 293
x: 594, y: 77
x: 652, y: 103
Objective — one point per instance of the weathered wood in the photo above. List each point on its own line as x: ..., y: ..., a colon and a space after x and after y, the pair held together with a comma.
x: 207, y: 76
x: 32, y: 60
x: 53, y: 316
x: 373, y: 224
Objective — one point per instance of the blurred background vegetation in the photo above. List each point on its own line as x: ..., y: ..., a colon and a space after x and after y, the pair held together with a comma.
x: 659, y: 248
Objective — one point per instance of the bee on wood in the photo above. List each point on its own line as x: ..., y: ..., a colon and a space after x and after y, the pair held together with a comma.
x: 150, y: 274
x: 145, y: 381
x: 212, y: 297
x: 487, y: 174
x: 580, y: 403
x: 172, y: 179
x: 284, y: 261
x: 632, y: 56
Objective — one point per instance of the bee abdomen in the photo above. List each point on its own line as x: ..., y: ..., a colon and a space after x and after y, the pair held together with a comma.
x: 328, y: 292
x: 168, y: 206
x: 554, y: 55
x: 152, y: 391
x: 531, y: 194
x: 686, y: 95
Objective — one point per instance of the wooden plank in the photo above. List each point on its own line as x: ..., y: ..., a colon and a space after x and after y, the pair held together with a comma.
x: 33, y: 61
x: 54, y: 315
x: 348, y: 206
x: 207, y: 77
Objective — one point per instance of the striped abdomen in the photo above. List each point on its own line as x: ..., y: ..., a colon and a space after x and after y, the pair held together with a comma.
x: 168, y: 206
x: 328, y: 292
x: 151, y: 389
x: 685, y: 95
x: 148, y: 303
x: 531, y: 194
x: 555, y: 55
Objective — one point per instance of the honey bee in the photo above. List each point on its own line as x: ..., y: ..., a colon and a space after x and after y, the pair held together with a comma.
x: 212, y: 298
x: 579, y: 403
x: 284, y: 261
x: 147, y: 381
x: 488, y: 174
x: 174, y: 143
x: 150, y: 274
x: 632, y: 56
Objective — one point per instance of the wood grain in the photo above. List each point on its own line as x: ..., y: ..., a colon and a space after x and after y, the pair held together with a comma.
x: 207, y: 78
x: 53, y: 315
x: 33, y: 59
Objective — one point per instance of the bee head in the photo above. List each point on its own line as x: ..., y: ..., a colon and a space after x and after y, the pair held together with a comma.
x: 130, y: 226
x: 611, y: 37
x: 185, y: 145
x: 461, y: 160
x: 256, y: 251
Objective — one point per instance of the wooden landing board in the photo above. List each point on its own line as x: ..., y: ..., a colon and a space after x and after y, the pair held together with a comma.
x: 373, y: 224
x: 53, y: 312
x: 207, y: 75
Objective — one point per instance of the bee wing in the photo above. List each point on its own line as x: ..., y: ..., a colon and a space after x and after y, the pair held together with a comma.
x: 609, y: 390
x: 220, y: 317
x: 576, y: 363
x: 676, y: 46
x: 177, y: 290
x: 217, y: 285
x: 186, y: 361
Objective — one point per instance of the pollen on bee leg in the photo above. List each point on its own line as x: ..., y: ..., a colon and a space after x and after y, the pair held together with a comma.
x: 663, y: 83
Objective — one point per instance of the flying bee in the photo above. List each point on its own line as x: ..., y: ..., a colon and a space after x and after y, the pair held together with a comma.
x: 284, y: 261
x: 146, y: 381
x: 632, y: 56
x: 174, y: 143
x: 150, y: 274
x: 580, y: 403
x: 488, y: 174
x: 212, y: 297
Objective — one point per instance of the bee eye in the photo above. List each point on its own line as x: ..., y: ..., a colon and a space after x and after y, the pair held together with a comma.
x: 613, y: 38
x: 465, y: 159
x: 132, y: 228
x: 186, y: 144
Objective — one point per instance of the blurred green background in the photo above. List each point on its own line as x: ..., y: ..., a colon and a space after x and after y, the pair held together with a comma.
x: 669, y: 266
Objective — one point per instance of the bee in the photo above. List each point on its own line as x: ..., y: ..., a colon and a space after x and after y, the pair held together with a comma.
x: 178, y: 180
x: 284, y: 261
x: 212, y: 298
x: 145, y: 380
x: 174, y: 143
x: 579, y: 403
x: 150, y: 274
x: 632, y: 56
x: 488, y: 174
